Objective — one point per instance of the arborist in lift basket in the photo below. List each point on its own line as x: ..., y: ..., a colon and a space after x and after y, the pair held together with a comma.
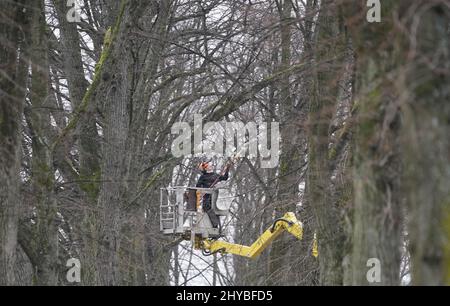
x: 209, y: 179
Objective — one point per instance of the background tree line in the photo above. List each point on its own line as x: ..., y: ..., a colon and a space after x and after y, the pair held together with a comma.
x: 86, y: 110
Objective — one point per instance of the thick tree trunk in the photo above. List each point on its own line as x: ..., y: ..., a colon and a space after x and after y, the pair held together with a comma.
x: 14, y: 25
x: 126, y: 75
x: 290, y: 159
x: 377, y: 211
x: 45, y: 230
x: 330, y: 59
x: 87, y: 128
x: 426, y: 142
x: 87, y: 140
x: 114, y: 173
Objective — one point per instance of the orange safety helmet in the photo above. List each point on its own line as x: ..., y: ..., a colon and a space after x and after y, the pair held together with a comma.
x: 205, y: 166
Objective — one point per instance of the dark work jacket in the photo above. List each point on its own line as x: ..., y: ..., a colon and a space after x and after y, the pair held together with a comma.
x: 205, y: 181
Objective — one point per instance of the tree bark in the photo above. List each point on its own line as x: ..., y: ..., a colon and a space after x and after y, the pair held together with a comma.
x: 377, y: 209
x: 14, y: 28
x: 291, y: 138
x: 425, y: 140
x: 45, y: 230
x: 126, y: 76
x: 86, y: 133
x: 329, y: 61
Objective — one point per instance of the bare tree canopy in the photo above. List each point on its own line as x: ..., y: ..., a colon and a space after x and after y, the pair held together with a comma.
x: 335, y: 111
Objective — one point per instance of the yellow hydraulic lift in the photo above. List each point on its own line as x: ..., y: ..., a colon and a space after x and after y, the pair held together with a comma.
x: 287, y: 223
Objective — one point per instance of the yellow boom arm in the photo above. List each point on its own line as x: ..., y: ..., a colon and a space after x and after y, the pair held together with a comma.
x: 287, y: 223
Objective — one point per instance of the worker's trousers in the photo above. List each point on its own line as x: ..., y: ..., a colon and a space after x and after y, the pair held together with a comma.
x: 207, y: 207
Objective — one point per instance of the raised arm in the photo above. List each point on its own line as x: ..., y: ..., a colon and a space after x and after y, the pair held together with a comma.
x: 225, y: 176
